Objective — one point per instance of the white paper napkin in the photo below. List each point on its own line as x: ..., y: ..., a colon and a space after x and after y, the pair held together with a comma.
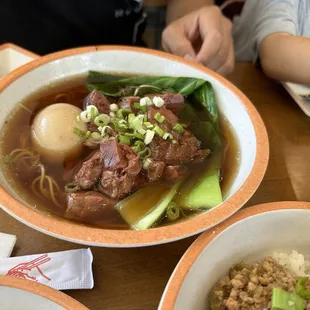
x: 60, y: 270
x: 7, y: 243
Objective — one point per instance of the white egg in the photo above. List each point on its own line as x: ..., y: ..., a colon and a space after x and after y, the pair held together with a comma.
x: 53, y: 134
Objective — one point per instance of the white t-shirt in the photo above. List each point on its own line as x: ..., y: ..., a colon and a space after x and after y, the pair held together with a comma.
x: 260, y: 18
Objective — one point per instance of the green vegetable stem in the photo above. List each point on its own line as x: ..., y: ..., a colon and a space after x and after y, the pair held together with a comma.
x: 282, y: 300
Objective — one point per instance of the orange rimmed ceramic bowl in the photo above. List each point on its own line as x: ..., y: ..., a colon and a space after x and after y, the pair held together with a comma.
x: 20, y: 294
x: 249, y: 236
x: 233, y: 105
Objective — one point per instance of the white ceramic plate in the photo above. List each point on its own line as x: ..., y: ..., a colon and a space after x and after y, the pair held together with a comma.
x: 249, y: 235
x: 12, y: 57
x: 19, y: 294
x: 297, y: 91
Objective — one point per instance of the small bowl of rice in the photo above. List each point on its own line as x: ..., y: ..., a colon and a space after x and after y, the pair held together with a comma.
x: 257, y: 259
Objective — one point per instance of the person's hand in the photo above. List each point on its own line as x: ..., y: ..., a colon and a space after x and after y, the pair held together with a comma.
x: 204, y: 36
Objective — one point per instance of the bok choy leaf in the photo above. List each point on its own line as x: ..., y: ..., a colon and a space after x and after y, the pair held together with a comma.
x: 203, y: 191
x: 205, y: 96
x: 144, y: 208
x: 181, y: 85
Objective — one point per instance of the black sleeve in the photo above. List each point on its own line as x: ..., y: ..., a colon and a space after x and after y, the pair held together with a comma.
x: 45, y: 26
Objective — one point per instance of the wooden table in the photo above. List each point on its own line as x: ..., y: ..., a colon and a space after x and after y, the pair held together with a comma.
x: 134, y: 279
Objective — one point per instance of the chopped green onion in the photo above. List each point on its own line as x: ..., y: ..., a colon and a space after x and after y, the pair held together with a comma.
x: 130, y: 118
x: 159, y: 118
x: 112, y: 114
x: 139, y: 143
x: 140, y: 117
x: 172, y: 211
x: 140, y: 107
x: 146, y: 101
x: 79, y: 132
x: 137, y: 124
x: 78, y: 118
x: 142, y: 102
x: 178, y: 128
x: 113, y: 107
x: 136, y: 105
x: 85, y: 117
x: 148, y: 125
x: 103, y: 130
x: 141, y: 131
x: 120, y: 126
x: 159, y: 131
x: 167, y: 135
x: 138, y: 146
x: 143, y: 109
x: 149, y: 136
x: 145, y: 118
x: 135, y: 135
x: 282, y: 300
x: 124, y: 139
x: 95, y: 136
x: 72, y: 188
x: 92, y: 111
x: 102, y: 120
x: 87, y: 135
x: 300, y: 290
x: 122, y: 113
x: 158, y: 101
x: 146, y: 163
x: 174, y: 141
x: 145, y: 153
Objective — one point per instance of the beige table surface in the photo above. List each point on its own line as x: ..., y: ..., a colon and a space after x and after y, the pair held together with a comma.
x: 134, y: 279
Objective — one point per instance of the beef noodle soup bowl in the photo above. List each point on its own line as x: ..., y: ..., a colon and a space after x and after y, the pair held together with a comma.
x: 115, y: 146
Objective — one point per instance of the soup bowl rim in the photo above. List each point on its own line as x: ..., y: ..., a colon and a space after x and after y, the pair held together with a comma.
x: 71, y: 231
x: 184, y: 265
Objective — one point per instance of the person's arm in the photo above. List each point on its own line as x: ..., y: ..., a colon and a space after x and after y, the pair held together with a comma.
x: 202, y: 34
x: 179, y: 8
x: 286, y: 57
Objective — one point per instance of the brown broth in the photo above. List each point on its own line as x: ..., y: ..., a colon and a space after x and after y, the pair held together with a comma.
x: 72, y: 91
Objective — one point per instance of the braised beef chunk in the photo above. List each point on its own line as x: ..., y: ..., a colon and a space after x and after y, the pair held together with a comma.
x: 89, y: 172
x: 173, y: 102
x: 140, y: 182
x: 155, y: 170
x: 174, y: 173
x: 128, y: 102
x: 90, y: 206
x: 181, y: 152
x: 170, y: 119
x: 200, y: 156
x: 111, y: 152
x: 131, y: 160
x: 115, y: 184
x: 121, y: 169
x: 100, y: 101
